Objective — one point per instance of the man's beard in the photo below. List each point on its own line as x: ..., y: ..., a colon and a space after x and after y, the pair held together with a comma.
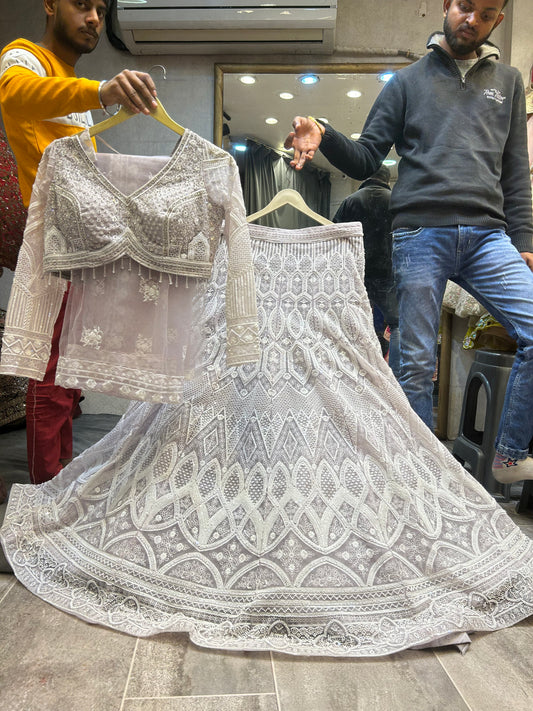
x: 462, y: 47
x: 69, y: 38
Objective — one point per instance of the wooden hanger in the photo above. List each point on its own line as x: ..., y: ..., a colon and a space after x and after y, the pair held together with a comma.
x: 289, y: 197
x: 124, y: 114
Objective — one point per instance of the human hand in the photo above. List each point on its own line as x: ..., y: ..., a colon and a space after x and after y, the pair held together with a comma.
x: 134, y: 90
x: 305, y: 139
x: 528, y: 259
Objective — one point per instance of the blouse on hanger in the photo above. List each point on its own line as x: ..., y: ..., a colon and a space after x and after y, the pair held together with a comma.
x: 136, y: 236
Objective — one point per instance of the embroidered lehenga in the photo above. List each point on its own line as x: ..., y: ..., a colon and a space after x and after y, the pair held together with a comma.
x: 295, y: 504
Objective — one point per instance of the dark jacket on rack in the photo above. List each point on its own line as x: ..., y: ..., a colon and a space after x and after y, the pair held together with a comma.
x: 462, y: 144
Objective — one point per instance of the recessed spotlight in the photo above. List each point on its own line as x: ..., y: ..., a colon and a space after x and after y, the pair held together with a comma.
x: 353, y: 94
x: 286, y: 95
x: 271, y: 120
x: 247, y: 79
x: 385, y: 76
x: 308, y: 79
x: 355, y: 136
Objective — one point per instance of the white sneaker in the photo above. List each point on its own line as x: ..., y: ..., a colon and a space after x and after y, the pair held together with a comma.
x: 507, y: 471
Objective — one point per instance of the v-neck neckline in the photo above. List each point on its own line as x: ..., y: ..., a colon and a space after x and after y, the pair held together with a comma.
x: 84, y: 145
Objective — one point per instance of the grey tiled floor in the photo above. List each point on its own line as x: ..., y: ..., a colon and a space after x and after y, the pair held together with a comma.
x: 51, y: 661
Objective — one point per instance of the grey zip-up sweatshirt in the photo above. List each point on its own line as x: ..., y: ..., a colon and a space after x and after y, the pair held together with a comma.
x: 462, y: 142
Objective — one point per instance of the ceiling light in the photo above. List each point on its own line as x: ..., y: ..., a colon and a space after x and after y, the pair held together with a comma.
x: 353, y: 94
x: 385, y: 76
x: 271, y: 120
x: 308, y: 79
x: 286, y: 95
x: 247, y: 79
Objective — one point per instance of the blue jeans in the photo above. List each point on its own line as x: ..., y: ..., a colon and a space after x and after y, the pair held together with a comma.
x: 486, y: 264
x: 382, y: 293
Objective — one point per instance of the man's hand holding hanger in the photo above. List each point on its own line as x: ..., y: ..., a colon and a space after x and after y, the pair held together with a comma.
x: 305, y: 139
x: 134, y: 90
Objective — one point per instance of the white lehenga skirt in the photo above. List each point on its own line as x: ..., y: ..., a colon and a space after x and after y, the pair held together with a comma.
x: 297, y: 504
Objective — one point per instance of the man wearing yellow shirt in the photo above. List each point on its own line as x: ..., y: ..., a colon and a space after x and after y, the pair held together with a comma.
x: 41, y: 100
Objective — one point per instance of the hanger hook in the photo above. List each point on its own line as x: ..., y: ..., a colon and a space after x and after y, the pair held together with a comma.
x: 159, y: 66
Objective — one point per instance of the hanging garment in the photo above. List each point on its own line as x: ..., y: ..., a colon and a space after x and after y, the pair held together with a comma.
x: 297, y: 504
x: 137, y: 236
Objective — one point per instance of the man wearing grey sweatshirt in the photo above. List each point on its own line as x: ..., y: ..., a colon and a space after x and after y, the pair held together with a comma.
x: 461, y: 208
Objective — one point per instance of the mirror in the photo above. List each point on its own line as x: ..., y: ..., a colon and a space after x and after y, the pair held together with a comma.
x: 259, y: 112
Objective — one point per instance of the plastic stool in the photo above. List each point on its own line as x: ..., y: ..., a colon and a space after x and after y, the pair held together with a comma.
x: 489, y: 370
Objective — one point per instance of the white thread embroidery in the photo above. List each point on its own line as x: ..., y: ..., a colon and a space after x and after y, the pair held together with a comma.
x: 149, y: 289
x: 495, y: 95
x: 92, y: 337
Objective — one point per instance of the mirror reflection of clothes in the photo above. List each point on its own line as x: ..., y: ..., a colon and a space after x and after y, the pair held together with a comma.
x: 296, y: 504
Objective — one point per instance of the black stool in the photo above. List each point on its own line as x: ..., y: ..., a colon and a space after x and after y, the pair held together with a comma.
x: 489, y: 370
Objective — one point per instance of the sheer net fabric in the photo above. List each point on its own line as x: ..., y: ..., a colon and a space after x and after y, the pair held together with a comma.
x: 296, y: 504
x: 135, y: 235
x: 133, y: 334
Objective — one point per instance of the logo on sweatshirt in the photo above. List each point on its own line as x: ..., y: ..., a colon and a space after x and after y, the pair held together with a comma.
x: 495, y: 95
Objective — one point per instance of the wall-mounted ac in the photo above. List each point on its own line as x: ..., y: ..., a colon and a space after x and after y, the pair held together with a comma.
x: 220, y: 27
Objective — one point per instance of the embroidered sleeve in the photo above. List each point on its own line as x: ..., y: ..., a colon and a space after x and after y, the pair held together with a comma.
x: 35, y: 297
x: 241, y: 304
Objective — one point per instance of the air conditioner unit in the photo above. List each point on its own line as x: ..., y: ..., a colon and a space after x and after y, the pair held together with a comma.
x: 219, y: 27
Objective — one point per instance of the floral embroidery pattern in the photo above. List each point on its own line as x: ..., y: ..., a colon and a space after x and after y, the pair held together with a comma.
x: 143, y: 345
x: 149, y: 289
x: 92, y: 337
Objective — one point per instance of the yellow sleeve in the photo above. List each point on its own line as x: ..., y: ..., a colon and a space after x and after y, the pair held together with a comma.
x: 24, y: 94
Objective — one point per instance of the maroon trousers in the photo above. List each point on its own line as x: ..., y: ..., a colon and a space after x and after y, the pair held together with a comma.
x: 49, y: 410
